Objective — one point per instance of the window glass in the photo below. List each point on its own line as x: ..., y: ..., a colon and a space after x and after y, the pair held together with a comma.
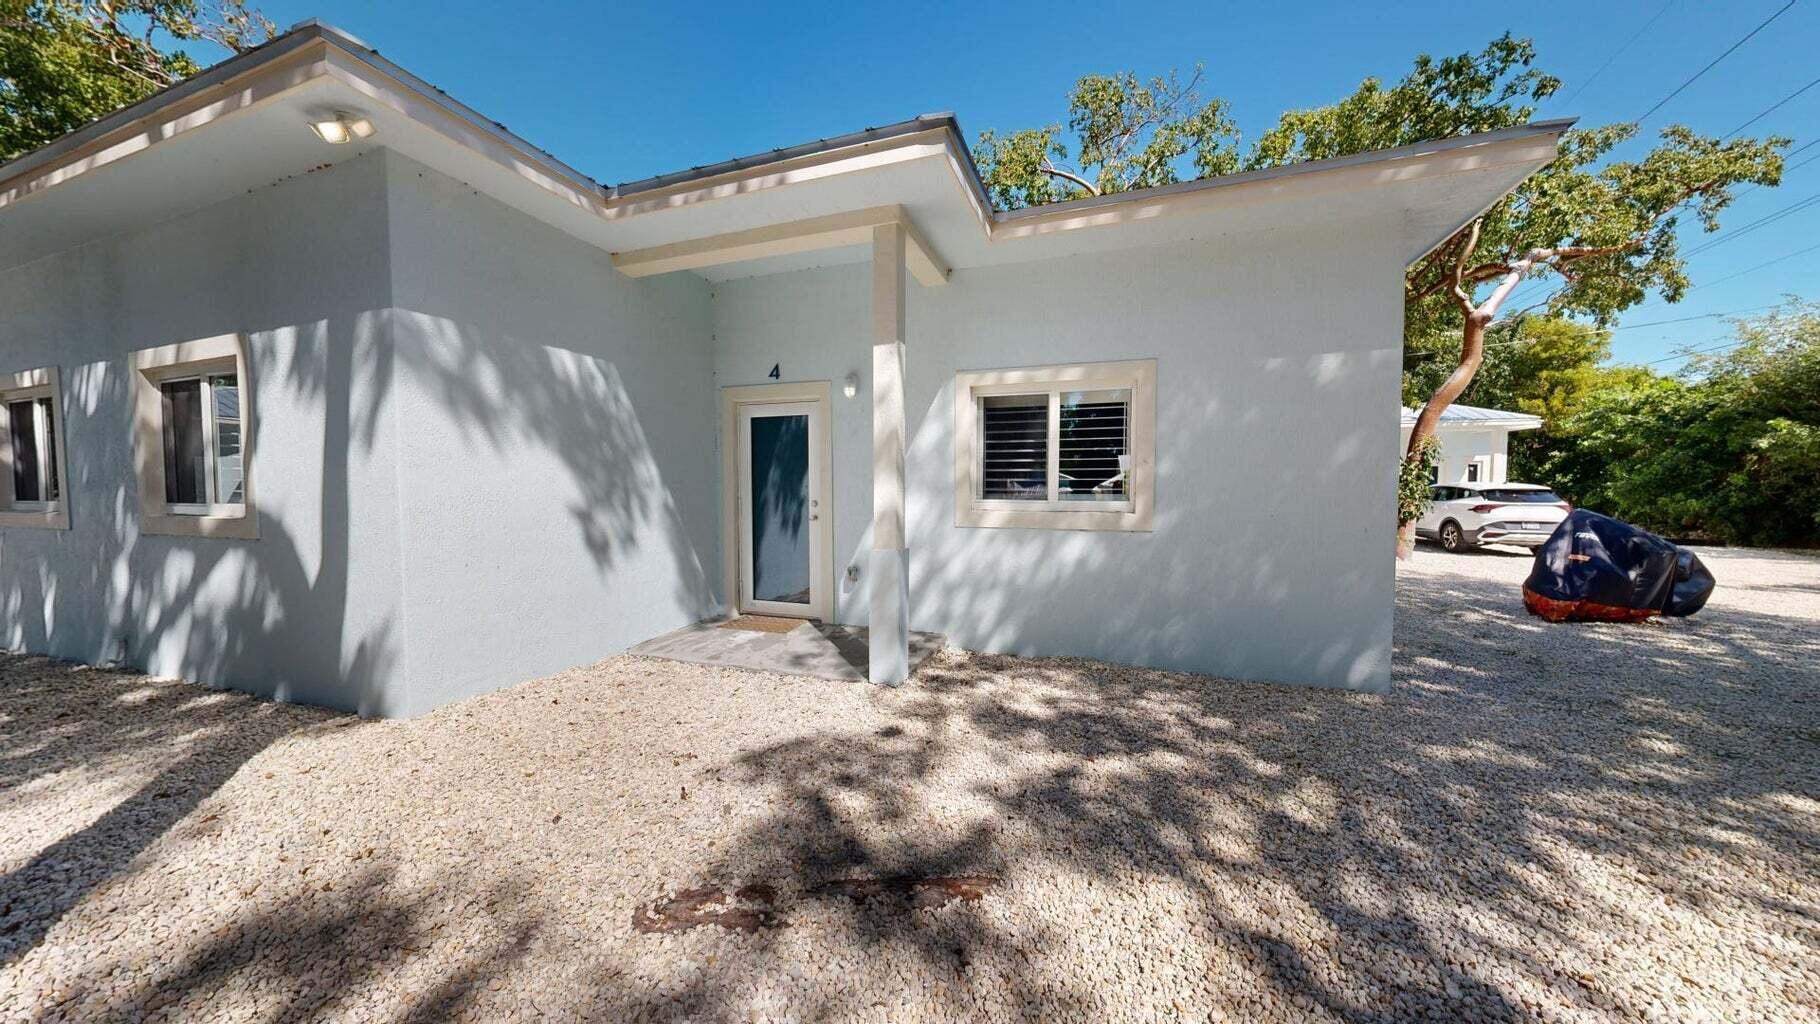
x: 1520, y: 496
x: 1472, y: 472
x: 1014, y: 437
x: 53, y: 489
x: 1094, y: 453
x: 22, y: 421
x: 224, y: 394
x: 185, y: 473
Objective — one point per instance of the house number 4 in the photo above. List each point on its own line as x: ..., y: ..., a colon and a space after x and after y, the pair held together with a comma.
x: 775, y: 373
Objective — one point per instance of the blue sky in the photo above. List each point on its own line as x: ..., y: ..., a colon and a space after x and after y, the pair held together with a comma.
x: 625, y: 91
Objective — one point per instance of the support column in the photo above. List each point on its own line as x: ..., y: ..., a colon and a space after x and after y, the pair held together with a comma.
x: 889, y: 620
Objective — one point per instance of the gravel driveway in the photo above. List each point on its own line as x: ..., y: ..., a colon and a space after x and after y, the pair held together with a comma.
x: 1540, y: 823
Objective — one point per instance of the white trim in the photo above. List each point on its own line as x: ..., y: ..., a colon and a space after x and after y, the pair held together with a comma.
x: 820, y: 394
x: 1137, y: 376
x: 47, y: 514
x: 199, y: 358
x: 811, y: 234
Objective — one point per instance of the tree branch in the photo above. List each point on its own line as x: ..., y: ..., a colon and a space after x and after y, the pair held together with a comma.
x: 1050, y: 169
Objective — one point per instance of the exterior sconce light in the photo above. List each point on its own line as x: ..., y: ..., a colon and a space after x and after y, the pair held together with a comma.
x: 850, y: 386
x: 342, y: 127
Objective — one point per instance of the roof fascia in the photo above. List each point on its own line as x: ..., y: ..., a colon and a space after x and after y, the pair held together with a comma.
x: 1445, y: 156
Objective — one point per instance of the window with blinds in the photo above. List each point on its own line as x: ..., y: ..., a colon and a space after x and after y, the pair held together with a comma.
x: 1014, y: 456
x: 1067, y: 447
x: 1095, y: 449
x: 1089, y: 430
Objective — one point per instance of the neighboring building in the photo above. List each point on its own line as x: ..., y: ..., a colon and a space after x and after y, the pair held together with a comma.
x: 324, y: 386
x: 1475, y: 443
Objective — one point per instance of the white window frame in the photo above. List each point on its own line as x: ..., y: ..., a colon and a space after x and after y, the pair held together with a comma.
x: 31, y: 385
x: 1136, y: 376
x: 202, y: 358
x: 205, y: 380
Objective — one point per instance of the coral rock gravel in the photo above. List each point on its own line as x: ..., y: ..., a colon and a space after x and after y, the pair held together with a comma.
x: 1541, y: 822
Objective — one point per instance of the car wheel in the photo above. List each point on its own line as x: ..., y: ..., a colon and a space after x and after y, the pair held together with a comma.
x: 1452, y: 537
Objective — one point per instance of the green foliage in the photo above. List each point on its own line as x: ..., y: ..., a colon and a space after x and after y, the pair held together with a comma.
x: 64, y: 63
x: 1414, y: 477
x: 1728, y: 449
x: 1128, y: 134
x: 1492, y: 89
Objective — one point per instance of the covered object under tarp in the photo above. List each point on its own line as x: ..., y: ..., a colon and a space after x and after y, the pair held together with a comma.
x: 1595, y: 568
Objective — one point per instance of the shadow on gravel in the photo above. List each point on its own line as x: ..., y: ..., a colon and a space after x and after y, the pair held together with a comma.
x: 1443, y: 853
x: 1425, y: 831
x: 61, y: 722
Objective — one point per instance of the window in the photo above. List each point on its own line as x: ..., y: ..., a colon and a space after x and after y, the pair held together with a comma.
x: 192, y: 433
x: 31, y: 431
x: 201, y: 439
x: 1520, y: 496
x: 1472, y: 472
x: 1060, y: 447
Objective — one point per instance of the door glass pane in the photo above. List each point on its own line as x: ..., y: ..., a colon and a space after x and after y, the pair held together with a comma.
x: 780, y: 509
x: 184, y: 479
x: 224, y: 391
x: 23, y: 422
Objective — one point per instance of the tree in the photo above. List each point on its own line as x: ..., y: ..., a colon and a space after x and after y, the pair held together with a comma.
x: 65, y: 63
x: 1128, y: 134
x: 1606, y: 230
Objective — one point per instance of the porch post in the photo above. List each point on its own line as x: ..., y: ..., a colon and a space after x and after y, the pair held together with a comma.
x: 889, y: 621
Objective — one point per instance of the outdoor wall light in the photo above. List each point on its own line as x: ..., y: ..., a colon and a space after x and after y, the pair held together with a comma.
x: 850, y: 386
x: 342, y: 127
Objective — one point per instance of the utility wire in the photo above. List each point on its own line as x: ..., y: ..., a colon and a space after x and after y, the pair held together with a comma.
x: 1686, y: 353
x: 1696, y: 316
x: 1772, y: 108
x: 1715, y: 61
x: 1744, y: 229
x: 1619, y: 52
x: 1760, y: 266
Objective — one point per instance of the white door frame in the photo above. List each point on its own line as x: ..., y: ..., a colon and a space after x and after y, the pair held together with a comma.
x: 819, y: 395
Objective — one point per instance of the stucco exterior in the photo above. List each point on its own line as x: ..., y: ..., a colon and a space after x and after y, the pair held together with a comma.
x: 1273, y: 546
x: 549, y: 499
x: 1464, y: 446
x: 485, y: 440
x: 311, y: 611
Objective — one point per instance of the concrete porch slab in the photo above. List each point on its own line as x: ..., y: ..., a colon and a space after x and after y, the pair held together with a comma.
x: 835, y: 653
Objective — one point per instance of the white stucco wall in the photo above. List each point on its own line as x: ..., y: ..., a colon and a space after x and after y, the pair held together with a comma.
x: 310, y: 611
x: 1459, y: 447
x: 556, y: 459
x: 481, y: 455
x: 1272, y: 556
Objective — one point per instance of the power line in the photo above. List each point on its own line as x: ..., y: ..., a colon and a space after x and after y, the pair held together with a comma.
x: 1619, y: 52
x: 1697, y: 316
x: 1688, y: 352
x: 1804, y: 163
x: 1715, y: 61
x: 1744, y: 229
x: 1772, y: 108
x: 1760, y: 266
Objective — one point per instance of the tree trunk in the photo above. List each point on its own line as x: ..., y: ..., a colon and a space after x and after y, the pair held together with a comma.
x: 1472, y: 353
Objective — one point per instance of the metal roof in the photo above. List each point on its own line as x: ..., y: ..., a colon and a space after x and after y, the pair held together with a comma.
x: 308, y: 31
x: 1475, y: 416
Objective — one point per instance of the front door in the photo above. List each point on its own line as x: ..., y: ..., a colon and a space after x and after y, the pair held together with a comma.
x: 784, y: 541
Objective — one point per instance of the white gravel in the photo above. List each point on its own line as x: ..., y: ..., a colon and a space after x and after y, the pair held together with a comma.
x: 1540, y: 823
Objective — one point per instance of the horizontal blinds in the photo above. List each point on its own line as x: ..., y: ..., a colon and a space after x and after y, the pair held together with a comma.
x: 1095, y: 435
x: 1014, y: 441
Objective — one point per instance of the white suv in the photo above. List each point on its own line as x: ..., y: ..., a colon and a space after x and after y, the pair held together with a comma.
x: 1468, y: 515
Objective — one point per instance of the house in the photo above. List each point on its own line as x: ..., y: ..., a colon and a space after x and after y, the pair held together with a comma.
x: 1475, y: 442
x: 326, y: 387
